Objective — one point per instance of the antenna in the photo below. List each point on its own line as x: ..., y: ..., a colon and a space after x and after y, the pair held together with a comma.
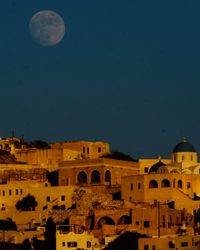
x: 13, y: 133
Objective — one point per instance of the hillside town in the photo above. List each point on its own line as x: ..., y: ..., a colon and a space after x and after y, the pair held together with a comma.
x: 80, y: 195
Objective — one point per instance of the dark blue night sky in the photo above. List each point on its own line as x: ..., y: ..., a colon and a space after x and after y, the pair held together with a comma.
x: 127, y: 72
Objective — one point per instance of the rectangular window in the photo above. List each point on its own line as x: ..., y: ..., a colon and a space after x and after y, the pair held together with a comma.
x: 62, y: 207
x: 16, y: 192
x: 146, y: 223
x: 130, y: 198
x: 3, y: 193
x: 10, y: 192
x: 63, y: 198
x: 48, y: 198
x: 171, y: 244
x: 63, y: 244
x: 21, y: 191
x: 99, y: 149
x: 139, y: 185
x: 44, y: 207
x: 89, y: 244
x: 153, y: 247
x: 188, y: 184
x: 84, y: 150
x: 72, y: 244
x: 131, y: 186
x: 184, y: 244
x: 146, y: 247
x: 88, y: 150
x: 146, y: 170
x: 137, y: 223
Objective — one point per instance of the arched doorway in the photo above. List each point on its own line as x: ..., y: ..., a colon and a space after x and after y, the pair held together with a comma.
x: 125, y: 219
x: 180, y: 184
x: 108, y: 177
x: 105, y: 221
x: 82, y: 178
x: 95, y: 177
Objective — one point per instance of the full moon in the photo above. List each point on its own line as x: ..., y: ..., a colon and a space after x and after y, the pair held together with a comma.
x: 47, y: 28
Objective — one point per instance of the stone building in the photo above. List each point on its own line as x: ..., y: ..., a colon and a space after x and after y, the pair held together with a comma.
x: 95, y: 172
x: 176, y: 181
x: 62, y: 151
x: 177, y: 242
x: 98, y: 212
x: 18, y: 172
x: 87, y: 149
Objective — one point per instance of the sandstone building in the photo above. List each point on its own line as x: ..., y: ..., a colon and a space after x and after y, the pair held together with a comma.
x: 176, y: 181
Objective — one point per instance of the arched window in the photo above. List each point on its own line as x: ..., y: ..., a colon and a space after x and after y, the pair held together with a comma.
x: 180, y: 184
x: 153, y: 184
x: 165, y: 183
x: 108, y: 177
x: 95, y: 177
x: 82, y: 178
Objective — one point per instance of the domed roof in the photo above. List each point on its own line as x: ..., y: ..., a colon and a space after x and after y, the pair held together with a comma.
x: 156, y: 166
x: 184, y: 146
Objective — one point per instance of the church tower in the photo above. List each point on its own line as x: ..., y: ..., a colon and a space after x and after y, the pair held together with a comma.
x: 184, y: 152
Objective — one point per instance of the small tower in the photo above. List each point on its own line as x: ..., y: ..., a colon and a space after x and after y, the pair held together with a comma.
x: 184, y: 152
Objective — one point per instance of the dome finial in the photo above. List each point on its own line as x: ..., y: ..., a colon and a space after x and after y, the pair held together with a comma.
x: 184, y: 139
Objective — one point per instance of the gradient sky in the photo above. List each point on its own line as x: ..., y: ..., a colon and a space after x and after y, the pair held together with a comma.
x: 127, y: 72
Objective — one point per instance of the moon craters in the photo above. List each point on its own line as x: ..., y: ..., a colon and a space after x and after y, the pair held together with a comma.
x: 47, y: 28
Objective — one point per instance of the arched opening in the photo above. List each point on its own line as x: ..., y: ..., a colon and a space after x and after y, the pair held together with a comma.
x: 124, y: 220
x: 165, y: 183
x: 95, y: 177
x: 108, y: 177
x: 82, y: 178
x: 180, y: 184
x: 105, y: 221
x: 153, y: 184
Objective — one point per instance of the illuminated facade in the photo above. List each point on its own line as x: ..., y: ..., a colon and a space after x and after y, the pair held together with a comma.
x: 62, y: 151
x: 95, y: 172
x: 176, y: 181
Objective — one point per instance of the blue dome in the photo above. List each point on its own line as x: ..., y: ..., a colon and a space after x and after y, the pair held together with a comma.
x: 184, y: 146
